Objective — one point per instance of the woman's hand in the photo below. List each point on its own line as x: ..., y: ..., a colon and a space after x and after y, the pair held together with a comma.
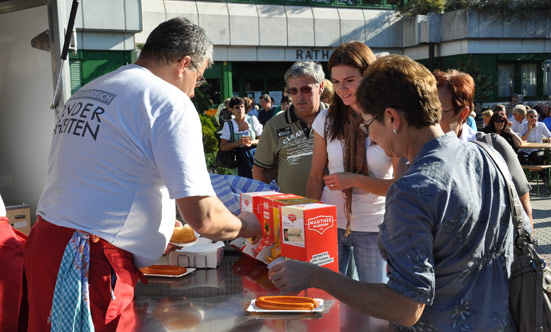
x: 291, y: 276
x: 340, y: 181
x: 245, y: 141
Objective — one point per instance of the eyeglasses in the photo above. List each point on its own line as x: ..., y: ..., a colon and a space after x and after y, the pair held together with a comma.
x: 200, y: 81
x: 303, y: 89
x: 364, y: 126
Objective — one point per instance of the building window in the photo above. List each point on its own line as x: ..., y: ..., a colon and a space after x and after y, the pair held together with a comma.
x: 506, y: 72
x: 547, y: 84
x: 528, y: 79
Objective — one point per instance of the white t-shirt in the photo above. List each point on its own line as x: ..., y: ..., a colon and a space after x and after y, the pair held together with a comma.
x: 516, y: 125
x: 368, y: 209
x: 124, y: 147
x: 467, y: 133
x: 536, y: 135
x: 256, y: 127
x: 2, y: 208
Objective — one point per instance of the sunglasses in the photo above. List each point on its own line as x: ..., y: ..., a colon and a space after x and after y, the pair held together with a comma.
x: 303, y: 89
x: 499, y: 121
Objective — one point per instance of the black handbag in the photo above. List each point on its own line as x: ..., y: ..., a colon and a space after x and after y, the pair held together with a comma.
x: 227, y: 159
x: 530, y: 282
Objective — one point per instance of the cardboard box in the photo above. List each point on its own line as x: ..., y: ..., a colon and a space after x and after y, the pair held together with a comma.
x: 19, y: 216
x: 250, y: 201
x: 266, y: 209
x: 309, y: 234
x: 276, y: 220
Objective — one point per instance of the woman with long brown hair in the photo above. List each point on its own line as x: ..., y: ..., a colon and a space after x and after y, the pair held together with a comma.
x: 359, y: 171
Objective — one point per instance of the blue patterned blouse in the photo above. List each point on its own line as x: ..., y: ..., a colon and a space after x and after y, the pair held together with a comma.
x: 447, y: 238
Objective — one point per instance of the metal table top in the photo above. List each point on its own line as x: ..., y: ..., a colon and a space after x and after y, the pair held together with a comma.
x: 216, y: 300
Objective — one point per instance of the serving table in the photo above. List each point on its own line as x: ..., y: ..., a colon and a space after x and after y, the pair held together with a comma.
x: 216, y: 300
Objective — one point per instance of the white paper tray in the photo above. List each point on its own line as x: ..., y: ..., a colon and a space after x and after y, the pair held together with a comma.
x: 204, y: 254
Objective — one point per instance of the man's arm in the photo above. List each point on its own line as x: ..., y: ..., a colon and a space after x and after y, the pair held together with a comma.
x: 527, y: 206
x: 263, y: 174
x: 376, y: 300
x: 209, y: 217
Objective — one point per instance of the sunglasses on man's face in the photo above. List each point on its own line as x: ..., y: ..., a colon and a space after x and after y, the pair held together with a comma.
x: 303, y: 89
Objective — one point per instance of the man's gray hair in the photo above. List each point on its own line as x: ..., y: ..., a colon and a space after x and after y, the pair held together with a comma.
x: 519, y: 109
x: 172, y: 40
x: 305, y: 68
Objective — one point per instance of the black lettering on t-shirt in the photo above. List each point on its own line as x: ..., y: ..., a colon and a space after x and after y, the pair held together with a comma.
x: 77, y: 120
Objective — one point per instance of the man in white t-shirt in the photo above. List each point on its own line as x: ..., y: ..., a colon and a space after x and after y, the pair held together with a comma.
x: 124, y: 148
x: 519, y: 115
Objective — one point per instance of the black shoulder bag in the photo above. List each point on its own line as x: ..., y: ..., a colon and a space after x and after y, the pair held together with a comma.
x: 227, y: 159
x: 530, y: 282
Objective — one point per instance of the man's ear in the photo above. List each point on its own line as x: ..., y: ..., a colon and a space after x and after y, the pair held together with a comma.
x: 182, y: 64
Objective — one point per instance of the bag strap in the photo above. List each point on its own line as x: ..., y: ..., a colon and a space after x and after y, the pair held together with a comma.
x: 230, y: 124
x: 516, y: 210
x: 524, y: 241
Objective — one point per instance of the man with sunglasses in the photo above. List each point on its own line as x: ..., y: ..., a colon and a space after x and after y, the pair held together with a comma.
x: 284, y: 152
x: 124, y: 149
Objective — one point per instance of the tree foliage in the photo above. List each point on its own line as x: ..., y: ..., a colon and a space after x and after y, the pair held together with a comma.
x: 423, y: 7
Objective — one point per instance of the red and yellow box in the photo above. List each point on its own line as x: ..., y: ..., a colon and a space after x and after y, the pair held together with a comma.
x: 250, y: 201
x: 309, y: 234
x: 266, y: 211
x: 275, y: 216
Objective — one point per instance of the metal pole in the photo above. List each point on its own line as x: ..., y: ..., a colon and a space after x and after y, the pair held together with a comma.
x: 68, y: 34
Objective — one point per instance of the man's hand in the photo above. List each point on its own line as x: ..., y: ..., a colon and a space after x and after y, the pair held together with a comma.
x: 292, y: 276
x: 251, y: 227
x: 170, y: 248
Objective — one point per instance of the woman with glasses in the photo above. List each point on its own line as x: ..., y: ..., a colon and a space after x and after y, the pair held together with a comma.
x: 246, y: 132
x: 533, y: 131
x: 359, y: 172
x: 498, y: 124
x: 446, y: 235
x: 456, y: 90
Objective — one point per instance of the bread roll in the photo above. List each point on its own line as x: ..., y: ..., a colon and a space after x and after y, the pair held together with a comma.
x: 183, y: 234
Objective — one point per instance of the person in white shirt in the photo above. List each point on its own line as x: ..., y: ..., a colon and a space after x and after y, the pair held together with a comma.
x: 126, y: 150
x: 519, y: 115
x: 533, y: 131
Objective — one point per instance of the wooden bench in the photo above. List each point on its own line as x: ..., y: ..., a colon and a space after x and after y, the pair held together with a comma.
x: 537, y: 169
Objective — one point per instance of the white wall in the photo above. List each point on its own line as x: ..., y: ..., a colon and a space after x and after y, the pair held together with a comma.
x: 26, y: 121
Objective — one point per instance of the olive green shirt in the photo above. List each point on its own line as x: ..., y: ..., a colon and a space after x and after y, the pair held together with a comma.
x: 287, y: 143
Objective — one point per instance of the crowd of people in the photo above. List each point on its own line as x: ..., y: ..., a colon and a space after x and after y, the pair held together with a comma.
x: 423, y: 214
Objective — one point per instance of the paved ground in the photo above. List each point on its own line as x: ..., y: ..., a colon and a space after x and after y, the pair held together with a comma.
x: 541, y: 212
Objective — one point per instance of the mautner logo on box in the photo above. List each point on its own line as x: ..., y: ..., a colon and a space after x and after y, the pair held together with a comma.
x: 246, y: 202
x: 320, y: 224
x: 292, y: 217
